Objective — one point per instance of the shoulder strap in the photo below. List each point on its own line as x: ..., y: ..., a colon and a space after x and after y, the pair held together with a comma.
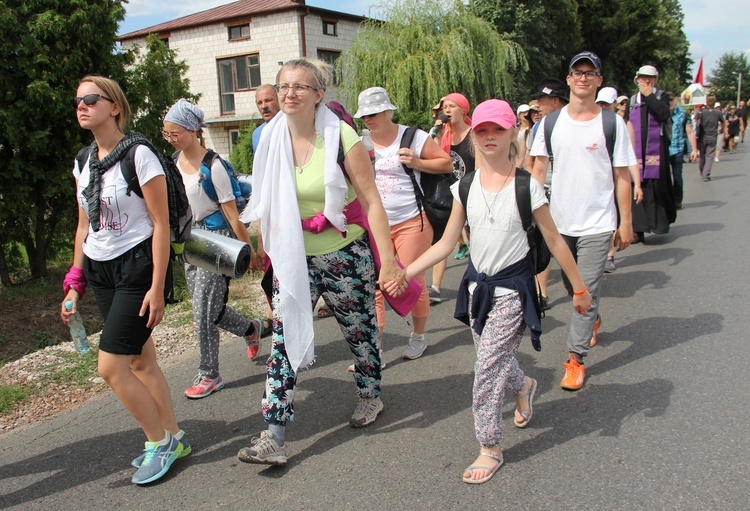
x: 127, y: 166
x: 549, y: 125
x: 463, y: 189
x: 82, y: 157
x: 523, y: 202
x: 406, y: 140
x: 610, y: 131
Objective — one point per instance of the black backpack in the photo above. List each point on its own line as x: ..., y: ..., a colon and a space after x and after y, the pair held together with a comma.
x: 180, y: 214
x: 537, y: 245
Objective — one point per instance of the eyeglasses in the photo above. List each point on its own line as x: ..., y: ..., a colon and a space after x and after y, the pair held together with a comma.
x: 171, y: 136
x: 89, y: 100
x: 588, y: 74
x: 300, y: 89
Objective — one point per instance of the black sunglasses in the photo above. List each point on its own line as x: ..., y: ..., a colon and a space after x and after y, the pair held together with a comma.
x: 89, y: 100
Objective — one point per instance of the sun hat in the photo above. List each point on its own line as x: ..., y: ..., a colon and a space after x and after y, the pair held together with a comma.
x: 646, y: 71
x: 534, y: 105
x: 607, y: 95
x: 622, y: 98
x: 373, y: 101
x: 551, y: 87
x: 495, y: 111
x: 586, y: 55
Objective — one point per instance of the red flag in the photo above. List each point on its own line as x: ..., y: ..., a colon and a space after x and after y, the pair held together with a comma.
x: 699, y: 74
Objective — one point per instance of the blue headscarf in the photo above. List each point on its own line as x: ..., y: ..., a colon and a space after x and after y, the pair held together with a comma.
x: 186, y: 115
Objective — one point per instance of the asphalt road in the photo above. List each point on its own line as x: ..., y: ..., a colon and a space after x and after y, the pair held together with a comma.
x: 660, y: 424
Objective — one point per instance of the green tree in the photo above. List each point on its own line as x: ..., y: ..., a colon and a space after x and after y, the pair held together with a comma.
x: 152, y: 85
x: 242, y: 153
x: 630, y: 33
x: 724, y: 78
x: 46, y: 47
x: 425, y: 50
x: 548, y: 31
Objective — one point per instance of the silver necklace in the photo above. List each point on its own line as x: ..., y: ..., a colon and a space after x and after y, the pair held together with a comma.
x: 298, y: 168
x: 492, y: 205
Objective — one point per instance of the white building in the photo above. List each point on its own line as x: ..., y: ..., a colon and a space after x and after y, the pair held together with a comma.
x: 234, y: 48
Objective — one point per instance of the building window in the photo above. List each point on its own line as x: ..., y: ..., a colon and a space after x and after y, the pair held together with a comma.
x: 165, y: 40
x: 329, y: 27
x: 237, y: 74
x: 331, y: 57
x: 233, y: 136
x: 239, y: 32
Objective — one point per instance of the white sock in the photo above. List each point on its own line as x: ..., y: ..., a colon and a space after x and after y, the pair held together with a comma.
x: 179, y: 435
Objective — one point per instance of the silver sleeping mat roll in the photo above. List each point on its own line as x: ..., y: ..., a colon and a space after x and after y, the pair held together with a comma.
x: 217, y: 253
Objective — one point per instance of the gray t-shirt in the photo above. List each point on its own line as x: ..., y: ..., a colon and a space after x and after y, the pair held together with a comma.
x: 709, y: 122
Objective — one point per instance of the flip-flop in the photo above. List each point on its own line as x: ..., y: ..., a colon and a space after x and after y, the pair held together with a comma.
x: 472, y: 468
x: 530, y: 412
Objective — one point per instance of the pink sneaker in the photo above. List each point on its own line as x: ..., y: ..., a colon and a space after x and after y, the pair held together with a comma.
x: 253, y: 340
x: 203, y: 387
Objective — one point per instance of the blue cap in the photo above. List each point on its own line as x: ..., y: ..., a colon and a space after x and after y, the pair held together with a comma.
x: 587, y: 55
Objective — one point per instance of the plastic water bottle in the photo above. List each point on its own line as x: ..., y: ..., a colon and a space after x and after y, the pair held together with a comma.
x: 77, y: 332
x: 367, y: 142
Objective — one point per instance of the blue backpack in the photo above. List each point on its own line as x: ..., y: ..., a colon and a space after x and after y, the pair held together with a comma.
x: 240, y: 187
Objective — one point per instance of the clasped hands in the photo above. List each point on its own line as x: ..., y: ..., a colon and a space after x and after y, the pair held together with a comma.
x: 393, y: 280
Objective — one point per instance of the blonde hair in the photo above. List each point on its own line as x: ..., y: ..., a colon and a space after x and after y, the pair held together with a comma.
x: 319, y: 70
x: 113, y: 91
x: 514, y: 147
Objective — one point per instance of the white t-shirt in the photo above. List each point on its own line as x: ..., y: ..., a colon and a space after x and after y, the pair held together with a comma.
x: 394, y: 184
x: 583, y: 187
x: 501, y: 241
x: 200, y: 203
x: 125, y: 221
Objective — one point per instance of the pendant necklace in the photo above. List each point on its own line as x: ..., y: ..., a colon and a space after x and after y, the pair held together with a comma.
x: 492, y: 205
x: 298, y: 168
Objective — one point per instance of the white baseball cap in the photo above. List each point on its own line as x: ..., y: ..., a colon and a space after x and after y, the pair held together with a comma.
x: 522, y: 109
x: 607, y: 95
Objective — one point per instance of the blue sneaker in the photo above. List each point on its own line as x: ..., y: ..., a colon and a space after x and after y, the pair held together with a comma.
x: 157, y: 460
x: 186, y: 449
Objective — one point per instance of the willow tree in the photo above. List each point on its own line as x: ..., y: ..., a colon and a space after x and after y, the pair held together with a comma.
x: 426, y: 49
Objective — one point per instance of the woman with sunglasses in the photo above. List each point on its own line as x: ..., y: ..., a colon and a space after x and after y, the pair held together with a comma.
x: 122, y: 251
x: 313, y: 208
x: 183, y: 128
x: 410, y: 232
x: 496, y: 295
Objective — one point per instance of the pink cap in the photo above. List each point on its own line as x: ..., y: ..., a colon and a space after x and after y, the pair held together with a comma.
x: 495, y: 111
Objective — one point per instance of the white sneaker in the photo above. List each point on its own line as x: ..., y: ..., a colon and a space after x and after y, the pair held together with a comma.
x: 368, y: 409
x: 434, y: 294
x: 716, y: 160
x: 416, y: 347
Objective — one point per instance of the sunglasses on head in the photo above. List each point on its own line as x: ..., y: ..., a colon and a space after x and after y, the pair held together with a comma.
x: 89, y: 100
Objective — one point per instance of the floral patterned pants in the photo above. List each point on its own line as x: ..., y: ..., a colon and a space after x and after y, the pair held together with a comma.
x: 496, y: 368
x: 346, y: 280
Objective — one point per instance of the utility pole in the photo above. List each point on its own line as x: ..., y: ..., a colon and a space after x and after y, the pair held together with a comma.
x: 739, y: 88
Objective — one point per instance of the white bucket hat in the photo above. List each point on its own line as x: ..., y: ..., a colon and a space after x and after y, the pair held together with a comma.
x: 373, y: 101
x: 646, y: 71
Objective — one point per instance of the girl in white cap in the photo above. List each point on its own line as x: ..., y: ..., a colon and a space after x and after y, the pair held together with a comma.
x: 497, y: 295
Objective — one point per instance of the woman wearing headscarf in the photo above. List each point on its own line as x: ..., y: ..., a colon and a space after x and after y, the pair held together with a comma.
x: 456, y: 142
x: 183, y: 128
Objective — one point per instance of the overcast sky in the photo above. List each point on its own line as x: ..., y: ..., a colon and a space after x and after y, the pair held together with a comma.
x: 713, y: 28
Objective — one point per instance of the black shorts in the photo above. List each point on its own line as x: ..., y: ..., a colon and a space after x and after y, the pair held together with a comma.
x: 119, y: 286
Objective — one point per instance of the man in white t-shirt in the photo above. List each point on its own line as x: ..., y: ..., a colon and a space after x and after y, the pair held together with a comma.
x: 583, y: 200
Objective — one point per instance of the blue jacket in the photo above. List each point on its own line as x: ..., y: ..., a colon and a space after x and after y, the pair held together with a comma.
x: 520, y: 277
